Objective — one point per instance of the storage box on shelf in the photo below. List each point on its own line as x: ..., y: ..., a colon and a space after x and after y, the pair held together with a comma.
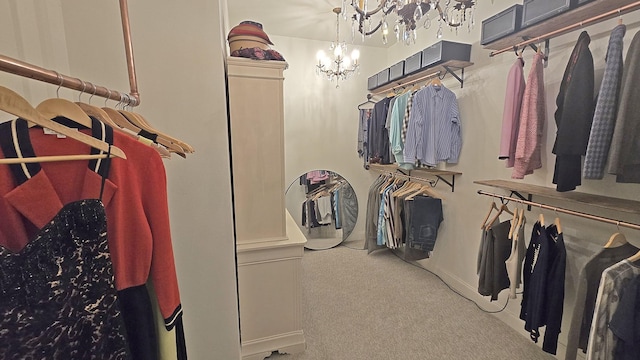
x: 396, y: 71
x: 413, y: 63
x: 501, y: 24
x: 443, y: 51
x: 534, y: 11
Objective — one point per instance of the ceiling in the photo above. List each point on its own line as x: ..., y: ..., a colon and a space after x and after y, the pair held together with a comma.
x: 297, y: 18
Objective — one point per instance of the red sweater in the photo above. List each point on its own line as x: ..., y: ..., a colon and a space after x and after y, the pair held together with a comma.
x: 135, y: 199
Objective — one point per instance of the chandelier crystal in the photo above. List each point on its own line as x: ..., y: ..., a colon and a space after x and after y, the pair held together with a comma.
x: 410, y: 15
x: 340, y: 66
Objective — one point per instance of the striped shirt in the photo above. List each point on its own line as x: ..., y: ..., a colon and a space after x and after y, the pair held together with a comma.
x: 434, y: 133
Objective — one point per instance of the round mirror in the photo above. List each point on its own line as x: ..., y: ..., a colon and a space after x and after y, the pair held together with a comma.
x: 324, y: 206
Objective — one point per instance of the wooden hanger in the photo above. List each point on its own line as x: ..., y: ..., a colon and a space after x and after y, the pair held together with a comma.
x: 55, y: 107
x: 144, y: 124
x: 503, y: 208
x: 514, y: 222
x: 97, y: 113
x: 521, y: 221
x: 133, y: 118
x: 634, y: 258
x: 558, y: 225
x: 435, y: 81
x: 15, y: 104
x: 491, y: 208
x: 617, y: 239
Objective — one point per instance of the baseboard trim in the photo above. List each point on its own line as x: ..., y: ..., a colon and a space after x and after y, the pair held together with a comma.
x: 259, y: 349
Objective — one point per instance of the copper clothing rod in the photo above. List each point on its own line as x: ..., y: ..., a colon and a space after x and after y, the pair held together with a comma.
x: 564, y: 211
x: 35, y: 72
x: 566, y: 29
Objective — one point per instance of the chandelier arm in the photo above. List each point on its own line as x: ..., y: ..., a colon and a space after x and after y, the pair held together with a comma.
x: 363, y: 17
x: 369, y: 13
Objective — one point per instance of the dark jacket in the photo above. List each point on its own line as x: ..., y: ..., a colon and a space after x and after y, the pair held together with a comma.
x: 624, y: 155
x: 574, y: 115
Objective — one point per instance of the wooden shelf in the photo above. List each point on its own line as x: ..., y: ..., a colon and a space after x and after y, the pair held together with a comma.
x: 565, y: 19
x: 603, y: 202
x: 427, y: 73
x: 419, y: 172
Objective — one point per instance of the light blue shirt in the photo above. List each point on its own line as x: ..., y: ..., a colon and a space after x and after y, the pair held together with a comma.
x: 395, y: 127
x: 434, y: 132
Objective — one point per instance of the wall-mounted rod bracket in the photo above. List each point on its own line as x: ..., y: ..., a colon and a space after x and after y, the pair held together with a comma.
x: 451, y: 71
x: 519, y: 196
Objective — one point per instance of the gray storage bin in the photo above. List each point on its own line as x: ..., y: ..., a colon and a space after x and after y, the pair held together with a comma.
x: 501, y: 24
x: 534, y: 11
x: 444, y: 51
x: 413, y: 63
x: 396, y: 71
x: 372, y: 82
x: 383, y: 77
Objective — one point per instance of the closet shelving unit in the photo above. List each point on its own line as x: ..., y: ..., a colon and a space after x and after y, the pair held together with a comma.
x: 440, y: 70
x: 587, y: 14
x: 517, y: 189
x: 419, y: 173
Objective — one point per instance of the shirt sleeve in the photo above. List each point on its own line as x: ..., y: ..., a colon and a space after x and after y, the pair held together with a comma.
x: 411, y: 142
x: 163, y: 269
x: 456, y: 134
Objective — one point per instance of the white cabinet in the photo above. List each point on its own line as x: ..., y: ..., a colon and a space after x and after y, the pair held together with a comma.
x: 269, y: 244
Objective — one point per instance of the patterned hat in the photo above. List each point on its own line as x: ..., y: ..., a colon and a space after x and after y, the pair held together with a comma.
x: 250, y: 28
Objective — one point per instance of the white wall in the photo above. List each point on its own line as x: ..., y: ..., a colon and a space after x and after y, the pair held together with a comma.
x: 320, y: 126
x: 179, y: 51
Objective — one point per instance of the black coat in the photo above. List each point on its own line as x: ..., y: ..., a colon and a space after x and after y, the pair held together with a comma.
x: 574, y: 115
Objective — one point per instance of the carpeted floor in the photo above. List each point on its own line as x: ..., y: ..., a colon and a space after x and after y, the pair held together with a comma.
x: 374, y: 307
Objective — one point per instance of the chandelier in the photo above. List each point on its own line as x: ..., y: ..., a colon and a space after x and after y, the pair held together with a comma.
x: 341, y: 66
x: 410, y: 15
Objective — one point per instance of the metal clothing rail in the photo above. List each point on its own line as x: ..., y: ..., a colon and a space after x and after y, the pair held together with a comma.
x: 552, y: 34
x: 564, y: 211
x: 132, y: 98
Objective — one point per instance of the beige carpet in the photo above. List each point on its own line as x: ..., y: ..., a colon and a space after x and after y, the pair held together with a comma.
x: 369, y: 307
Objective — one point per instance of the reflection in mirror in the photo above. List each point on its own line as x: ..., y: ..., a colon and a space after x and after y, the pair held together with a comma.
x: 324, y: 207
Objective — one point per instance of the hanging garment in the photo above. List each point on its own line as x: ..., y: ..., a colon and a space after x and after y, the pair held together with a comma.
x: 135, y: 200
x: 406, y: 252
x: 427, y: 217
x: 554, y: 302
x: 407, y: 117
x: 58, y: 296
x: 574, y: 116
x: 625, y: 323
x: 543, y: 275
x: 348, y: 209
x: 378, y: 134
x: 395, y: 127
x: 373, y: 208
x: 434, y: 133
x: 495, y: 250
x: 624, y: 154
x: 363, y: 135
x: 586, y: 291
x: 602, y: 342
x: 606, y: 108
x: 514, y: 262
x: 533, y: 117
x: 323, y: 210
x: 511, y: 113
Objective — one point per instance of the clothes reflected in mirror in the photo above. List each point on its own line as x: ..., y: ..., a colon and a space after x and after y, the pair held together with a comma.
x: 324, y: 206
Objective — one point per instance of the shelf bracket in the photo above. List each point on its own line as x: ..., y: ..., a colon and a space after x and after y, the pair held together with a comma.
x: 451, y: 184
x: 519, y: 196
x: 450, y: 71
x: 535, y: 48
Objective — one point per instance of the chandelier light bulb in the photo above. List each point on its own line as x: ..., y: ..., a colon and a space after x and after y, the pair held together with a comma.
x: 355, y: 55
x: 337, y: 51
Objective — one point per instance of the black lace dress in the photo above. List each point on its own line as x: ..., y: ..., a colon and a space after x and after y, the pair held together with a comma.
x: 57, y: 295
